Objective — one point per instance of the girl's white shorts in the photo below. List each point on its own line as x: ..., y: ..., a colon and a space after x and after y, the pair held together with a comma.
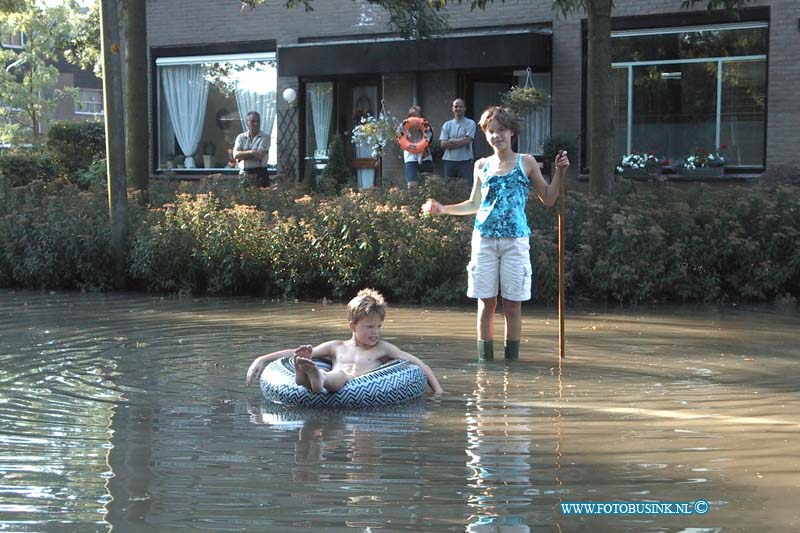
x: 500, y: 264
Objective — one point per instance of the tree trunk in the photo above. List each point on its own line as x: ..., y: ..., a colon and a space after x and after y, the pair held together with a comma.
x: 137, y: 153
x: 115, y: 142
x: 599, y: 90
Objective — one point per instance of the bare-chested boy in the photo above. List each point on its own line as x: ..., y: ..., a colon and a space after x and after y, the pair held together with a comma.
x: 363, y: 352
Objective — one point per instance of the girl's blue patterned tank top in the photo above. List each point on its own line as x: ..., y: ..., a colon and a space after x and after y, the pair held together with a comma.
x: 503, y: 199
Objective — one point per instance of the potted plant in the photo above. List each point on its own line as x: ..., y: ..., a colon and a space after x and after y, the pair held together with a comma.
x: 209, y: 149
x: 523, y: 100
x: 703, y: 163
x: 374, y: 133
x: 638, y: 165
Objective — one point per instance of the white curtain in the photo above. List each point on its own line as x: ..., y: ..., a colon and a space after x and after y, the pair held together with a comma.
x: 536, y: 125
x: 321, y: 97
x: 262, y: 103
x: 186, y: 94
x: 365, y: 100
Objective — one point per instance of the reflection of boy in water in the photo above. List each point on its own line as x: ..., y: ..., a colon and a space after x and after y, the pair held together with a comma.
x: 320, y: 436
x: 364, y: 352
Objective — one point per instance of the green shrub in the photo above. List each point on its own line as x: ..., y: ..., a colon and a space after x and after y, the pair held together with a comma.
x: 336, y: 174
x: 162, y: 255
x: 76, y: 145
x: 21, y: 166
x: 94, y: 174
x: 648, y: 243
x: 560, y: 142
x: 55, y: 236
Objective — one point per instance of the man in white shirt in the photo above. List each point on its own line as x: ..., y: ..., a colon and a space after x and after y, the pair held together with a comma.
x: 250, y: 150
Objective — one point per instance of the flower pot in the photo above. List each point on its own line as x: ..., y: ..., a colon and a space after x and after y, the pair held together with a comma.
x: 702, y: 172
x: 635, y: 173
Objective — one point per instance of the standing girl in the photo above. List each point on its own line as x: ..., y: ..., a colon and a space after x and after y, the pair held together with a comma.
x: 500, y: 259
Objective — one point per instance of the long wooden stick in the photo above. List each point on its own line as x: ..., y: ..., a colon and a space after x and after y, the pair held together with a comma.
x: 561, y: 195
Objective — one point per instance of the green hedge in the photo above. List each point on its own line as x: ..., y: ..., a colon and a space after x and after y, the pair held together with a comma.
x: 75, y: 145
x: 54, y: 236
x: 300, y: 247
x: 649, y: 243
x: 20, y: 166
x: 74, y: 153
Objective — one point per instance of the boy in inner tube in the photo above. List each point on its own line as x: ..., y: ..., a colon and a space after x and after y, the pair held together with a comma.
x: 363, y: 352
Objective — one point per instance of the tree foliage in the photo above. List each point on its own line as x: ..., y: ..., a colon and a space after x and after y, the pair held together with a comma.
x: 83, y: 47
x: 29, y: 82
x: 10, y: 6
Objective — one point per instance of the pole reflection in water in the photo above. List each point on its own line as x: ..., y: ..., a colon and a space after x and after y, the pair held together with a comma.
x: 557, y: 463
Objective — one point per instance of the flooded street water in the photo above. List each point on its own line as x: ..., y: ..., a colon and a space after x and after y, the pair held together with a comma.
x: 130, y: 412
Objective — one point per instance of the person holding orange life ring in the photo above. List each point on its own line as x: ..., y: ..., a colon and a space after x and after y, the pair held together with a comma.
x: 412, y: 140
x: 414, y: 135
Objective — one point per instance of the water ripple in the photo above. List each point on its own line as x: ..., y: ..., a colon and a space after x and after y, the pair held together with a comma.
x: 130, y: 411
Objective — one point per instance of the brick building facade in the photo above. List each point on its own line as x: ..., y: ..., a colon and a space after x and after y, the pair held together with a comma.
x: 684, y: 77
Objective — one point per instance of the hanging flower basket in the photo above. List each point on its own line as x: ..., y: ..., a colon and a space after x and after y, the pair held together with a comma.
x: 375, y: 133
x: 524, y: 100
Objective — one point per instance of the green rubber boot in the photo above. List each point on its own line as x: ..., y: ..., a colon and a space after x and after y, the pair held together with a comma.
x: 512, y: 350
x: 486, y: 350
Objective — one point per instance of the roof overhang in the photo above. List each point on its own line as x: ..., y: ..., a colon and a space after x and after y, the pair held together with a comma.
x: 473, y: 51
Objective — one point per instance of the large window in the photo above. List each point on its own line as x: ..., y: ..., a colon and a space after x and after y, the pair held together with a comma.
x: 680, y: 89
x: 202, y: 106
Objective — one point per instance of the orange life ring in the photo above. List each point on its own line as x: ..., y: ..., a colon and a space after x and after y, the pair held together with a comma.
x: 414, y: 137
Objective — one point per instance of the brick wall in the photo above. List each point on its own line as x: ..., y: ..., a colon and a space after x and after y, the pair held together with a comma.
x: 198, y: 22
x: 783, y: 112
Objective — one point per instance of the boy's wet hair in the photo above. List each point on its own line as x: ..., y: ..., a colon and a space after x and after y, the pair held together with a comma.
x: 367, y: 302
x: 503, y: 115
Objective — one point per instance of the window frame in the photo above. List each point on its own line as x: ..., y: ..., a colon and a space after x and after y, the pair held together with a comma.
x: 628, y: 66
x: 185, y: 56
x: 11, y: 45
x: 77, y: 101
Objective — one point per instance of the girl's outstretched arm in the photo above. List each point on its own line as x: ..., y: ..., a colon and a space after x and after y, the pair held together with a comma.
x: 467, y: 207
